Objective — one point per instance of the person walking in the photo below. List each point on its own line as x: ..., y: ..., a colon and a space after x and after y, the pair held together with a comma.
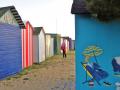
x: 63, y: 48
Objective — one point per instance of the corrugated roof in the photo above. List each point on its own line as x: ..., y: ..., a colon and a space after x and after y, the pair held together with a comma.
x: 16, y: 15
x: 79, y: 7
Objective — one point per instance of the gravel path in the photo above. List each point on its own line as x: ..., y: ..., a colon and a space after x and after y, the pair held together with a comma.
x: 55, y: 73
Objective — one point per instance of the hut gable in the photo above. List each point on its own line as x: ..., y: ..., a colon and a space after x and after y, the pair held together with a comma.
x: 79, y: 7
x: 39, y: 45
x: 8, y: 18
x: 10, y: 15
x: 38, y: 30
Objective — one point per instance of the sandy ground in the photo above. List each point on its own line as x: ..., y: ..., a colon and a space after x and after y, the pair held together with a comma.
x: 55, y: 73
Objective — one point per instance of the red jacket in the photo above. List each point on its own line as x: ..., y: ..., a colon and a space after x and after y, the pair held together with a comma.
x: 63, y: 46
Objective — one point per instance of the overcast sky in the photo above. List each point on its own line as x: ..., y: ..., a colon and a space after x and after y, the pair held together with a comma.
x: 53, y: 15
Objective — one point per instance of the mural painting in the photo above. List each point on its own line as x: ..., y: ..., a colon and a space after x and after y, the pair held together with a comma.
x: 94, y: 71
x: 116, y: 66
x: 116, y: 70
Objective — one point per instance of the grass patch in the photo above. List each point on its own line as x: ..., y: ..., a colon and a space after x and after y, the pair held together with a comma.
x: 48, y: 62
x: 20, y: 74
x: 8, y: 78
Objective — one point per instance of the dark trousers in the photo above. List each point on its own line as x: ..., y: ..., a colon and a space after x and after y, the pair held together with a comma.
x: 64, y: 54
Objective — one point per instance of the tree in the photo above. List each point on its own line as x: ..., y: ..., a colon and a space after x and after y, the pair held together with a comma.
x: 105, y: 10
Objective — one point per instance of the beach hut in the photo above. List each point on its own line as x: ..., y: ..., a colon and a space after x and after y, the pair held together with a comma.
x: 38, y: 45
x: 27, y: 45
x: 57, y: 43
x: 70, y: 43
x: 73, y: 45
x: 66, y: 39
x: 52, y: 47
x: 62, y: 42
x: 49, y: 46
x: 97, y: 47
x: 10, y: 41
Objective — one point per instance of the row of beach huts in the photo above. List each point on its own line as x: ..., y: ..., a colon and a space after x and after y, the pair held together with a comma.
x: 21, y: 44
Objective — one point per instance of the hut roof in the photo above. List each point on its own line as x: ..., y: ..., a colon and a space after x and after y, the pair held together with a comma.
x: 79, y: 7
x: 15, y: 13
x: 37, y: 30
x: 53, y: 34
x: 27, y: 22
x: 66, y: 37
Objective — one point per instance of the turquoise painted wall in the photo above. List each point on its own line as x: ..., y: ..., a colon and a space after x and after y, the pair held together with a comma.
x: 104, y: 35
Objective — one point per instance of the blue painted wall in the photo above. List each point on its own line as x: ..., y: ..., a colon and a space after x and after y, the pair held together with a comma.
x: 104, y: 35
x: 10, y: 50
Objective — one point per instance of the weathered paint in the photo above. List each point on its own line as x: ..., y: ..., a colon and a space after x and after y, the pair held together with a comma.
x: 49, y: 46
x: 90, y: 32
x: 48, y: 41
x: 8, y: 18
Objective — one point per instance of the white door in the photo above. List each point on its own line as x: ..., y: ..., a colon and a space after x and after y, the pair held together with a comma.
x: 52, y: 47
x: 41, y: 47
